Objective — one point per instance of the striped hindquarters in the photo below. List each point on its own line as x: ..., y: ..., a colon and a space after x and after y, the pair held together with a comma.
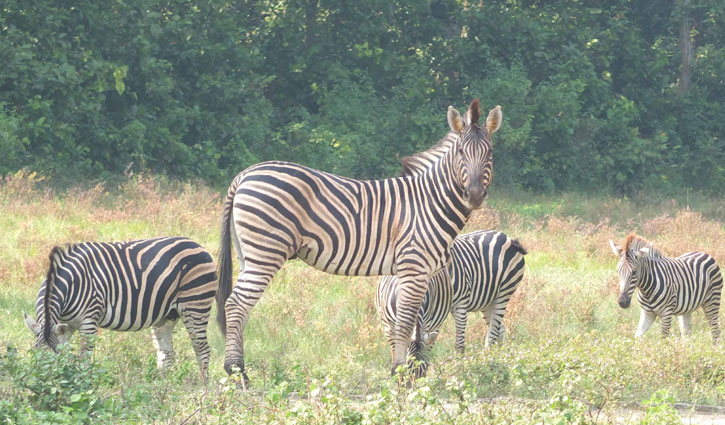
x: 487, y: 267
x: 132, y: 285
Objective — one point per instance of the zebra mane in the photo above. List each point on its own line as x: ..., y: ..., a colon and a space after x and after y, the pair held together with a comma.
x: 57, y: 255
x: 418, y: 162
x: 520, y: 247
x: 636, y: 243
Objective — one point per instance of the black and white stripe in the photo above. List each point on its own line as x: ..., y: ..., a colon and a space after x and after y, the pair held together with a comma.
x: 485, y: 270
x: 403, y: 226
x: 668, y: 286
x: 128, y: 286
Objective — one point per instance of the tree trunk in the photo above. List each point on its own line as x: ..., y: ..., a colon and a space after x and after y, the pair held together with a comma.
x: 686, y: 51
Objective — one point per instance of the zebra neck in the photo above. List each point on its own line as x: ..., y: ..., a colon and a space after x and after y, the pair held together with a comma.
x: 445, y: 194
x: 649, y: 284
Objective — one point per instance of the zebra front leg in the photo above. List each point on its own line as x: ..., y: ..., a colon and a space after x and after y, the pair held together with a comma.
x: 460, y: 316
x: 196, y: 321
x: 163, y: 337
x: 646, y: 318
x: 410, y: 298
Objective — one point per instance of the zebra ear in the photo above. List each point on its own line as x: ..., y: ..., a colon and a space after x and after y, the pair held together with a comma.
x: 454, y: 120
x: 31, y: 324
x: 615, y: 249
x: 430, y: 338
x: 493, y: 122
x: 61, y: 329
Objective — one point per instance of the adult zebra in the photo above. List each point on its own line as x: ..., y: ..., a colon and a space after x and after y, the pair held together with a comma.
x: 402, y: 226
x: 128, y: 286
x: 668, y: 286
x: 485, y: 270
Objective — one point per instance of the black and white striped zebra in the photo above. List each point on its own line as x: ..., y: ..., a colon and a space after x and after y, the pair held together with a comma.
x: 128, y: 286
x: 485, y: 270
x: 402, y: 226
x: 668, y: 286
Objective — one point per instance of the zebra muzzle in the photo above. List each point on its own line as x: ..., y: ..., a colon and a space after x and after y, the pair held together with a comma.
x: 624, y: 302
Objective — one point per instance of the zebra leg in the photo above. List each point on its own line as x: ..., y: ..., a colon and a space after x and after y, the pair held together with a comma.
x: 163, y: 336
x: 646, y: 318
x: 250, y: 287
x: 196, y: 321
x: 712, y: 314
x: 666, y: 320
x: 410, y: 298
x: 495, y: 325
x: 460, y: 316
x: 684, y: 322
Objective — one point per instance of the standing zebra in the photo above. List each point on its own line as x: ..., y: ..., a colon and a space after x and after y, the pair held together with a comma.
x: 668, y: 286
x: 402, y: 226
x: 486, y: 269
x: 128, y: 286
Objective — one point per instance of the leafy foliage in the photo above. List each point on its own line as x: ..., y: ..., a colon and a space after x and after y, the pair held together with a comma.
x: 203, y: 89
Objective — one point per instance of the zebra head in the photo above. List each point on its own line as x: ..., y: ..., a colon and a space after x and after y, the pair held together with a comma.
x: 628, y: 266
x: 58, y: 334
x: 419, y: 349
x: 473, y: 159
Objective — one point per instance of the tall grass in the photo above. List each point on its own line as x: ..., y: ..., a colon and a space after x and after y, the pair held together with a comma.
x: 315, y: 347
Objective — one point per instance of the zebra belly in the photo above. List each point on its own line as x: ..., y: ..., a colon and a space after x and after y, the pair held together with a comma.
x: 347, y: 266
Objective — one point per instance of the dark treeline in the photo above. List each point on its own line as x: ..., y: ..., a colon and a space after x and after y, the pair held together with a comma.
x: 618, y: 95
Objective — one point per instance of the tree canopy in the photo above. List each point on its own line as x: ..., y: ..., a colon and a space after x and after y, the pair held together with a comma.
x: 593, y: 92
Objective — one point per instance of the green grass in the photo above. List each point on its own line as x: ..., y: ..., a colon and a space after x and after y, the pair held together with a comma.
x: 315, y: 348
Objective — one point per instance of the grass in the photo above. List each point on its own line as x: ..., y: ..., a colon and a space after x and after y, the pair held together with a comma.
x: 315, y: 349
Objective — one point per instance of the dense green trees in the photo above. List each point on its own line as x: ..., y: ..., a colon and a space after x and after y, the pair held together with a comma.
x: 591, y: 90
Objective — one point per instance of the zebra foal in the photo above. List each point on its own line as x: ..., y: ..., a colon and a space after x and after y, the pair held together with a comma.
x: 668, y: 286
x: 485, y: 270
x: 403, y: 226
x: 128, y: 286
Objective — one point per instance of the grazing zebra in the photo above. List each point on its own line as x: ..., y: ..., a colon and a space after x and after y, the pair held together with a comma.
x: 668, y: 286
x: 486, y: 269
x: 128, y: 286
x: 402, y: 226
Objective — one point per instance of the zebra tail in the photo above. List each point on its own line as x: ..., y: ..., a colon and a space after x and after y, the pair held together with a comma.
x: 517, y: 244
x: 55, y: 260
x: 224, y: 269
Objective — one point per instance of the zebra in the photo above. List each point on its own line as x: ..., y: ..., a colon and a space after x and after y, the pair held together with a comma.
x: 128, y: 286
x: 668, y: 286
x: 486, y: 269
x: 402, y: 226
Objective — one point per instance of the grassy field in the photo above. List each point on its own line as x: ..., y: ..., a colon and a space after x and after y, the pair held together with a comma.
x: 315, y: 349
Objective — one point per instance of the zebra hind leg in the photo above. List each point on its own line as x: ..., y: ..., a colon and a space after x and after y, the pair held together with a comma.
x: 196, y: 321
x: 684, y: 322
x: 249, y: 289
x: 712, y: 314
x: 163, y: 336
x: 460, y: 316
x: 495, y: 325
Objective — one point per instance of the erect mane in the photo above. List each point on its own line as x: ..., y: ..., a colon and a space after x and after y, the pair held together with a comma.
x: 635, y: 243
x: 56, y: 257
x: 418, y: 162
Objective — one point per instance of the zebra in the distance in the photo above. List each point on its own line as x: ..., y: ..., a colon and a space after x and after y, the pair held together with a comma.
x: 402, y: 226
x: 485, y: 270
x: 129, y: 286
x: 668, y: 286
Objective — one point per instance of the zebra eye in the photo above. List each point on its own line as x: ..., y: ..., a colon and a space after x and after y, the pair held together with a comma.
x: 460, y: 150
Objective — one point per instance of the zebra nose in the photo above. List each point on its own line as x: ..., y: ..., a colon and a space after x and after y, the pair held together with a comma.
x: 624, y: 302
